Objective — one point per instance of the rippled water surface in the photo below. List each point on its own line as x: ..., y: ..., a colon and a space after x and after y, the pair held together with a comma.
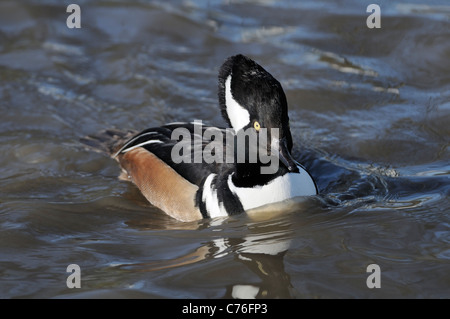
x: 370, y: 114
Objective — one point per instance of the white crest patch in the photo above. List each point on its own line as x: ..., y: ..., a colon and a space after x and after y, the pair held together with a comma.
x: 238, y: 115
x: 281, y: 188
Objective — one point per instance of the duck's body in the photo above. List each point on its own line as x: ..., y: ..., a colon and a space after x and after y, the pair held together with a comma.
x: 188, y: 189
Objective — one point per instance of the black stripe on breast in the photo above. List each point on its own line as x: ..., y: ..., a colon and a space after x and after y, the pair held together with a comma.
x: 230, y: 201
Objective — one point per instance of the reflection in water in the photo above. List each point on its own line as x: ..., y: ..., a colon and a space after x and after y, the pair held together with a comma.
x: 261, y: 249
x: 275, y: 282
x: 190, y: 258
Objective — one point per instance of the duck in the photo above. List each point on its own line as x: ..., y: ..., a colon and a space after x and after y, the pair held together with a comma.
x: 167, y: 166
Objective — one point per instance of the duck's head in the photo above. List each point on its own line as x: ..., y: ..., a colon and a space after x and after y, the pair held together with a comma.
x: 251, y: 98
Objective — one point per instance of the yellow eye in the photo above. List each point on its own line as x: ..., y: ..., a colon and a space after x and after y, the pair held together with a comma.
x: 256, y: 125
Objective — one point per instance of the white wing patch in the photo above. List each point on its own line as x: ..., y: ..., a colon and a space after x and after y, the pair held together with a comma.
x: 238, y: 115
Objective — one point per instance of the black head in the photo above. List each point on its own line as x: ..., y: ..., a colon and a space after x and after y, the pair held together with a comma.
x: 251, y: 98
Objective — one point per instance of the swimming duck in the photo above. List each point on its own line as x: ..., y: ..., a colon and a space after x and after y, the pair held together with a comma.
x: 189, y: 189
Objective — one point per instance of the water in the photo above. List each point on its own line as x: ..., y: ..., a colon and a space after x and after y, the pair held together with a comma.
x: 369, y: 113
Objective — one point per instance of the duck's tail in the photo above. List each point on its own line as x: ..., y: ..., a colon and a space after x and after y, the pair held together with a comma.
x: 107, y: 141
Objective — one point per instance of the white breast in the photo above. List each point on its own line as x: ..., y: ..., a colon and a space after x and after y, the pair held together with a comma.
x: 281, y: 188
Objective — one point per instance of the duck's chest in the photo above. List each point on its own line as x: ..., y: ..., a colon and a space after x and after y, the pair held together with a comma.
x: 279, y: 189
